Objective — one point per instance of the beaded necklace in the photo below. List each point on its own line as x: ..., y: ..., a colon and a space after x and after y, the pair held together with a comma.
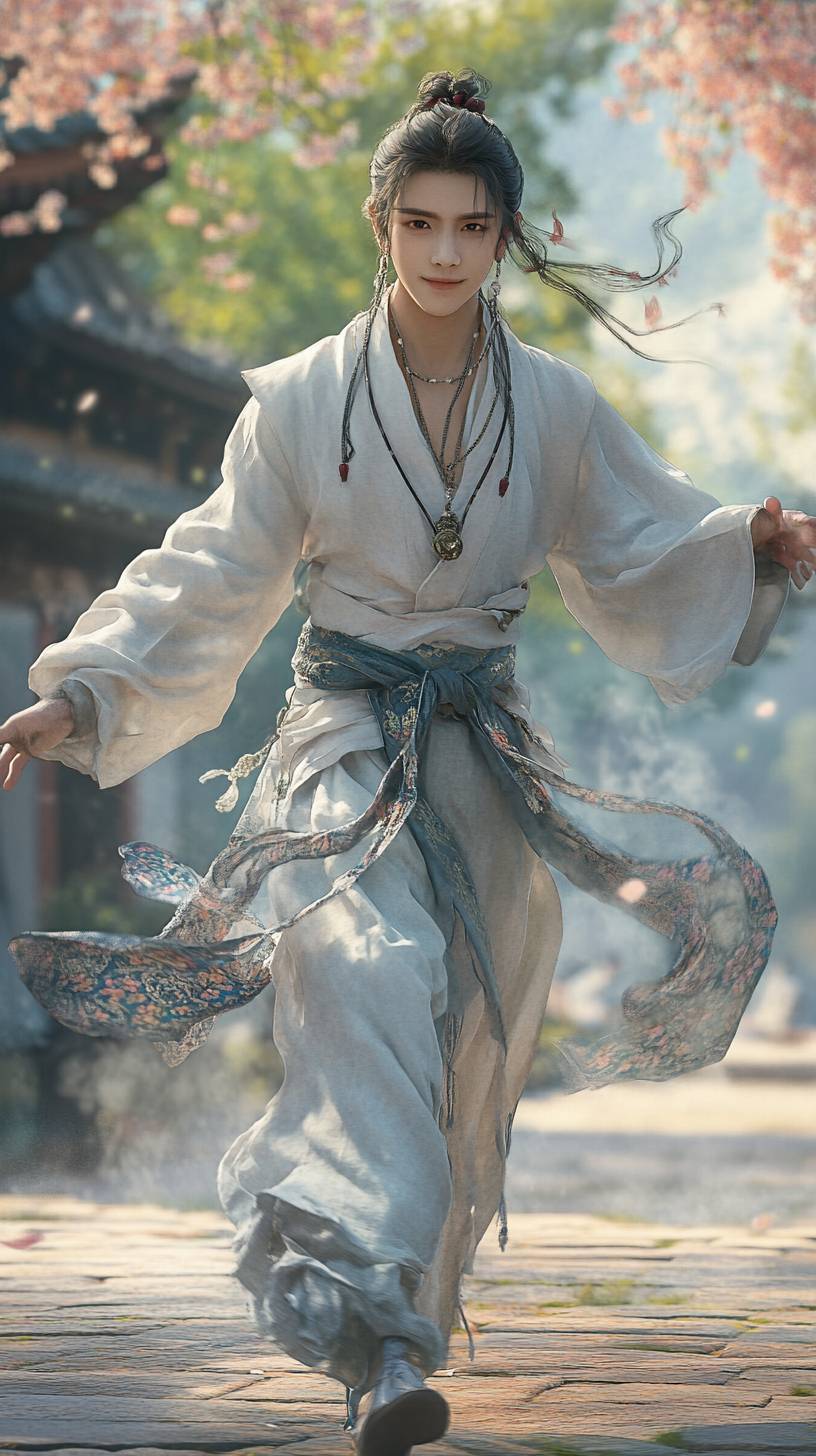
x: 447, y: 530
x: 447, y: 472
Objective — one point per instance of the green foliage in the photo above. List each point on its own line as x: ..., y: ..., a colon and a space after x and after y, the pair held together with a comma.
x: 97, y: 899
x: 314, y: 256
x: 607, y: 1291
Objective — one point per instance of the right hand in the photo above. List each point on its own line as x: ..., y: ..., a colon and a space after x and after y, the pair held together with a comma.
x: 25, y: 735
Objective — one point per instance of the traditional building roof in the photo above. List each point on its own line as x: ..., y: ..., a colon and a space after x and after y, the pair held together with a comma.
x: 74, y: 326
x: 81, y: 126
x: 58, y: 158
x: 81, y: 297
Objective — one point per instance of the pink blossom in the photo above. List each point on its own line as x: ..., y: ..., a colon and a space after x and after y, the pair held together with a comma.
x: 181, y: 216
x: 113, y: 61
x: 741, y: 74
x: 652, y: 312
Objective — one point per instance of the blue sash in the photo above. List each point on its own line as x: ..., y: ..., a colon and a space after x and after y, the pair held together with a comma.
x: 716, y: 909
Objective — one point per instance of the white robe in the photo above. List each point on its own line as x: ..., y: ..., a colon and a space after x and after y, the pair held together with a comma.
x: 348, y: 1155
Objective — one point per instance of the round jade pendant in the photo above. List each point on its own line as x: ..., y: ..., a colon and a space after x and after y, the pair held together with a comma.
x: 447, y: 537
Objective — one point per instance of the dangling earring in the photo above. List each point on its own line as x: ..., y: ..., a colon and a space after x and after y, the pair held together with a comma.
x: 493, y: 291
x: 380, y: 280
x: 381, y: 275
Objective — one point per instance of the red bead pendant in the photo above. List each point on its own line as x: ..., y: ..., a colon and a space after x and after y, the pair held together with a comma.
x: 504, y: 485
x: 344, y: 471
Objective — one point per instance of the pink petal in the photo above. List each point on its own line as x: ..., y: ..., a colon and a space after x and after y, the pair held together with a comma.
x: 652, y: 312
x: 25, y: 1241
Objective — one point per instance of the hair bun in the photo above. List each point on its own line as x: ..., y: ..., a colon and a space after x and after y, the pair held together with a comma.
x: 465, y: 88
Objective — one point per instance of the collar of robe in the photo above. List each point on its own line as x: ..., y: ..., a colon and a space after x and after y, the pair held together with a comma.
x: 393, y: 399
x: 716, y: 909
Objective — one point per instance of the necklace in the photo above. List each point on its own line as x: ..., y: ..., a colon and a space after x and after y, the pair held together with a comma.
x: 447, y: 530
x: 447, y: 472
x: 452, y: 379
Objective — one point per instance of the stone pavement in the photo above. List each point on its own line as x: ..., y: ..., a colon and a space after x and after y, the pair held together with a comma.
x: 124, y: 1331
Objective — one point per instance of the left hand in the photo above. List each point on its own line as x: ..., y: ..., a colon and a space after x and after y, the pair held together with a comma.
x: 789, y: 537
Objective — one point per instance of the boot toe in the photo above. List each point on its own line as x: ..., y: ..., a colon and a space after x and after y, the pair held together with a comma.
x: 410, y: 1418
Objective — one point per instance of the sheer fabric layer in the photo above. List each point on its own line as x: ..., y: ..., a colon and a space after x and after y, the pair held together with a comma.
x: 356, y: 1215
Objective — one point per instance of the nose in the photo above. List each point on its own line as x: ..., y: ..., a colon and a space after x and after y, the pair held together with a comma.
x: 445, y: 253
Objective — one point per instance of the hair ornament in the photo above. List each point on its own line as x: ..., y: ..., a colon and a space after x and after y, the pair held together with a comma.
x: 459, y: 99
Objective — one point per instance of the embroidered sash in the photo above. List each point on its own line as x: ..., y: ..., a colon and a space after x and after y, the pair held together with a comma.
x: 716, y: 909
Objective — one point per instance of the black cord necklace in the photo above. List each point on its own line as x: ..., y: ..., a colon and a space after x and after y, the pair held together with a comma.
x: 447, y: 537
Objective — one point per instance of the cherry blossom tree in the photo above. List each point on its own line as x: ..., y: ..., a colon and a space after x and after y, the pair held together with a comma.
x: 255, y: 66
x: 741, y: 73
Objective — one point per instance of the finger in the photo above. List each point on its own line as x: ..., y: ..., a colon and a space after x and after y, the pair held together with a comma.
x: 788, y: 555
x: 6, y: 755
x: 18, y: 763
x: 784, y: 557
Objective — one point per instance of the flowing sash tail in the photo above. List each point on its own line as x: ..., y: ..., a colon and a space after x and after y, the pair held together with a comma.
x: 716, y: 909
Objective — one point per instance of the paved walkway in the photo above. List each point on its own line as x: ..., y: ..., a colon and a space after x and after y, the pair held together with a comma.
x: 124, y: 1331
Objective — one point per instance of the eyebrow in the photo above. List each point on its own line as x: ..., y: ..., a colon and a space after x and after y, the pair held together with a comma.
x: 421, y: 212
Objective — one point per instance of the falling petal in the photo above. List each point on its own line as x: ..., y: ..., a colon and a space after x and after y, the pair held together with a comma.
x: 558, y: 231
x: 765, y: 709
x: 25, y: 1241
x: 631, y: 891
x: 652, y: 312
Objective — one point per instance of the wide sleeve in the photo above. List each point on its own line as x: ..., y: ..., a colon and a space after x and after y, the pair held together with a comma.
x: 155, y: 659
x: 663, y: 577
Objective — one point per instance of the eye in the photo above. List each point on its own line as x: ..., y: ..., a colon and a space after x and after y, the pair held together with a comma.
x: 480, y: 226
x: 420, y: 220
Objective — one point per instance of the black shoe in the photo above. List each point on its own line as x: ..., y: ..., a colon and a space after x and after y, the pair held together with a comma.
x: 403, y: 1411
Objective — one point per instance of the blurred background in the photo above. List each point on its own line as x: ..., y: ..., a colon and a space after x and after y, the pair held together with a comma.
x: 180, y: 196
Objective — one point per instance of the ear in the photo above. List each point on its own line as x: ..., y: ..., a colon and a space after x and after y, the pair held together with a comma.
x: 372, y: 217
x: 501, y: 246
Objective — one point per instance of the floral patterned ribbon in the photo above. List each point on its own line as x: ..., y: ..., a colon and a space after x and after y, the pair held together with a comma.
x: 716, y: 909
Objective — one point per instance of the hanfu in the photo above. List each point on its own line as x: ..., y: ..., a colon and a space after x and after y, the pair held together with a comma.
x: 389, y: 874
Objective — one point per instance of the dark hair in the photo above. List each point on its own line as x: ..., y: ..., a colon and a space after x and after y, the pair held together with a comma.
x: 436, y: 136
x: 447, y: 130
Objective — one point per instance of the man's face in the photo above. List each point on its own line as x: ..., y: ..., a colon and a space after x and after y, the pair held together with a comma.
x: 444, y: 227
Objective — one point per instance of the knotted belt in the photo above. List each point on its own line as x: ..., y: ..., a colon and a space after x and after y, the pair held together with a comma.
x: 716, y: 909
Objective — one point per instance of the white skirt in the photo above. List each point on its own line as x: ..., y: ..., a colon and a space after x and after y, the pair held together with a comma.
x: 356, y: 1213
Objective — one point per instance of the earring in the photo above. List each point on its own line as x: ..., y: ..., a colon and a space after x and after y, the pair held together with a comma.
x: 493, y: 295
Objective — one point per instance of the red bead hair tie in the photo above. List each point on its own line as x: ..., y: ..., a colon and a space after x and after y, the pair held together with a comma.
x: 470, y: 103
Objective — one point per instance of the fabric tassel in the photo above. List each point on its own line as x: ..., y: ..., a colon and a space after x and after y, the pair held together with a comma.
x: 243, y: 766
x: 471, y: 1345
x: 353, y: 1399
